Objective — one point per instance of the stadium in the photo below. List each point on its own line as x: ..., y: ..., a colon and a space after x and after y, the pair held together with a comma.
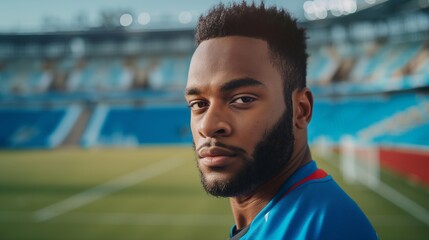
x: 95, y: 141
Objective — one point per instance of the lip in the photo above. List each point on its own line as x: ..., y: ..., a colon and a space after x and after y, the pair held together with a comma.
x: 215, y: 157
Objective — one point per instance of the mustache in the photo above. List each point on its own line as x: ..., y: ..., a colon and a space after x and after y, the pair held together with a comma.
x: 234, y: 149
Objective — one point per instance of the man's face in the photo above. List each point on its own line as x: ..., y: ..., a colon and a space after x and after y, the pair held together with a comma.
x: 241, y: 126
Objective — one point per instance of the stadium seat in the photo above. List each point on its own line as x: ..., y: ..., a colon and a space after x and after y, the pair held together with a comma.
x: 133, y: 126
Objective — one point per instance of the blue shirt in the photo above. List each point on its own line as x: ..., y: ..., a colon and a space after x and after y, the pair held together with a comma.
x: 310, y: 209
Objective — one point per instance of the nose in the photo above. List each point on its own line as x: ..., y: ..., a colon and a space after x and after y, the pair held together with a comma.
x: 214, y: 123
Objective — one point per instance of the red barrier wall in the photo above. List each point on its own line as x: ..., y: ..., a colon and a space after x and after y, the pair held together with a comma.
x: 413, y: 163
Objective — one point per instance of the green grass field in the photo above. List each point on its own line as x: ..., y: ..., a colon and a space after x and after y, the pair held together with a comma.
x: 147, y: 193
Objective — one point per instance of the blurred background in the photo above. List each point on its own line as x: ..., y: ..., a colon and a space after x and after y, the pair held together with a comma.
x: 94, y: 129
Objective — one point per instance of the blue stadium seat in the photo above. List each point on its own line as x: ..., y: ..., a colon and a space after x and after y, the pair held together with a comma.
x: 132, y: 126
x: 333, y: 119
x: 170, y: 73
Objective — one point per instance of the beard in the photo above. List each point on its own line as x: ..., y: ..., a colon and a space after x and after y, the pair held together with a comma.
x: 270, y: 156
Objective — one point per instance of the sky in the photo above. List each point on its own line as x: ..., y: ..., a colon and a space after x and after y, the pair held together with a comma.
x: 23, y: 15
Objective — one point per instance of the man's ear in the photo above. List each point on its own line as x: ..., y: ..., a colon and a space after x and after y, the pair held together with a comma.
x: 303, y: 101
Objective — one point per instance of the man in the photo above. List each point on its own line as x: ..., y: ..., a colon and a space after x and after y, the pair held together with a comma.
x: 250, y: 109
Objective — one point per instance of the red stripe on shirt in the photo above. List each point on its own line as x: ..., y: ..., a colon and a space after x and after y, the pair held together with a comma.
x: 318, y: 174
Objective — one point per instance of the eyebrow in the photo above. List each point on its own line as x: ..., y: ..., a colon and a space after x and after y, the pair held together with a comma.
x: 229, y: 86
x: 238, y: 83
x: 192, y: 91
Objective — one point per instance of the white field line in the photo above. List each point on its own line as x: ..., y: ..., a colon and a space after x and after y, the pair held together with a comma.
x: 399, y: 200
x: 403, y: 202
x: 106, y: 189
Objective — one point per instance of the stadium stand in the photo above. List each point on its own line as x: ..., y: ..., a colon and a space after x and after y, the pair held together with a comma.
x: 396, y: 115
x: 100, y: 75
x: 106, y: 85
x: 26, y: 75
x: 333, y: 71
x: 133, y: 126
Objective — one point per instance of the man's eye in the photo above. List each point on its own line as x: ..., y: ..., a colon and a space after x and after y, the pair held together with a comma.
x: 242, y: 100
x: 198, y: 105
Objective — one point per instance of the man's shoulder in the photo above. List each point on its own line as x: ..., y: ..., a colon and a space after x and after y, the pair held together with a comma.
x: 320, y: 196
x: 320, y: 209
x: 315, y: 209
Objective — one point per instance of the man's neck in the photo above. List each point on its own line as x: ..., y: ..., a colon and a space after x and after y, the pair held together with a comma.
x: 245, y: 208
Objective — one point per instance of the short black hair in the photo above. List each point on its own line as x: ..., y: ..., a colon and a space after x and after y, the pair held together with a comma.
x: 286, y: 40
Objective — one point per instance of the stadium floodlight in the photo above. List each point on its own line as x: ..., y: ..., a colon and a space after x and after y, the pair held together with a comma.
x: 185, y: 17
x: 126, y: 20
x: 349, y: 7
x: 319, y: 9
x: 144, y: 18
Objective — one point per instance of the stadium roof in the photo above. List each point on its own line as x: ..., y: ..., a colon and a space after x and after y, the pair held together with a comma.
x: 42, y: 15
x: 22, y: 16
